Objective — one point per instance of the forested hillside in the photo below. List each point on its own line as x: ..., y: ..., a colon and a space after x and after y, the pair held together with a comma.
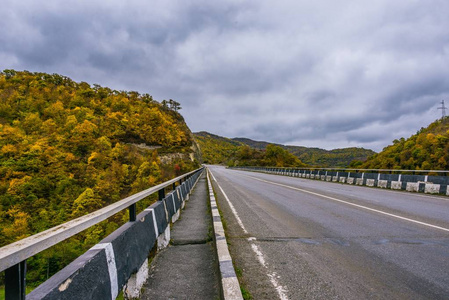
x: 330, y: 158
x: 216, y: 149
x: 220, y: 150
x: 69, y: 148
x: 316, y: 156
x: 428, y: 149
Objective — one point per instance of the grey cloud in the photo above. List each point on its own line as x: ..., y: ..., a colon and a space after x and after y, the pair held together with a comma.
x: 316, y: 73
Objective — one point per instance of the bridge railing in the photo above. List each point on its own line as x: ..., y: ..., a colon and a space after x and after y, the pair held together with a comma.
x: 428, y: 181
x: 141, y: 231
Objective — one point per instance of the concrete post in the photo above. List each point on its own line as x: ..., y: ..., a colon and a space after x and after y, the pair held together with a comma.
x: 163, y: 239
x: 132, y: 288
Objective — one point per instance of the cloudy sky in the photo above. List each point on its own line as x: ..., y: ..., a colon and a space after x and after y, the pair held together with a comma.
x: 320, y: 73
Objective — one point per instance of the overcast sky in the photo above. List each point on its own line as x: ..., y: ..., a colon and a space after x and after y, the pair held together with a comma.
x: 326, y: 74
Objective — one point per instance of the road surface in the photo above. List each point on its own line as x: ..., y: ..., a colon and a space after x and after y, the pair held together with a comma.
x: 293, y: 238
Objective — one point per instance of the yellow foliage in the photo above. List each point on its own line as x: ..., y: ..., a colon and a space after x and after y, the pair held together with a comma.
x: 16, y: 183
x: 19, y: 228
x: 9, y: 149
x: 92, y: 157
x: 67, y: 149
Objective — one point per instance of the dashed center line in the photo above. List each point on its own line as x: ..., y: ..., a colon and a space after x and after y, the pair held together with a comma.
x: 352, y: 204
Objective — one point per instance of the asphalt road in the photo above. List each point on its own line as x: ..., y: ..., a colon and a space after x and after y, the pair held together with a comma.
x: 306, y: 239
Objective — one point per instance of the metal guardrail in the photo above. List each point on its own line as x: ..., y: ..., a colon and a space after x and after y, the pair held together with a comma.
x: 427, y: 181
x: 446, y: 172
x: 13, y: 256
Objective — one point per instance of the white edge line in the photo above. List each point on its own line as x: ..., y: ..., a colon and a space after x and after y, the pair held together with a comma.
x: 231, y: 287
x: 281, y: 290
x: 413, y: 194
x: 353, y: 204
x: 239, y: 221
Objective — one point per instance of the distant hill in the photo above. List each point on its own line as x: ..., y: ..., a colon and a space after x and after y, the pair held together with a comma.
x: 428, y: 149
x: 217, y: 149
x: 316, y: 156
x: 220, y: 150
x: 260, y: 145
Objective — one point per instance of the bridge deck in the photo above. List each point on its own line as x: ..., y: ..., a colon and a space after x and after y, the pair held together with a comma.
x: 187, y: 269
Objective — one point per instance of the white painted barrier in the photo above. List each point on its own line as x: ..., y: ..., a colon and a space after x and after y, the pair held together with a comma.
x: 382, y: 184
x: 396, y: 185
x: 431, y: 188
x: 412, y: 187
x: 370, y: 182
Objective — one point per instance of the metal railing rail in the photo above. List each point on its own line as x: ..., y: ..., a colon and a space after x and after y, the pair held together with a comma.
x: 15, y: 253
x: 446, y: 172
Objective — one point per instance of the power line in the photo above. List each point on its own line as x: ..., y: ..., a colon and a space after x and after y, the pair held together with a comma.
x: 443, y: 109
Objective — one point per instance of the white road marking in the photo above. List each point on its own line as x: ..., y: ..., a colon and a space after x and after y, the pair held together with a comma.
x: 411, y: 194
x: 272, y: 275
x: 231, y: 206
x: 352, y: 204
x: 281, y: 290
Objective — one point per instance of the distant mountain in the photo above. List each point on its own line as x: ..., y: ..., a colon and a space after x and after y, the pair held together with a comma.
x: 428, y: 149
x: 217, y: 149
x: 261, y: 145
x: 220, y: 150
x: 316, y: 156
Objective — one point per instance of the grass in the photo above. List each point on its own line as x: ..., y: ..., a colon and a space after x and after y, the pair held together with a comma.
x: 2, y: 291
x: 245, y: 293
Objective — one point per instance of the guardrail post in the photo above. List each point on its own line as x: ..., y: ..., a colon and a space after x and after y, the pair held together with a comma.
x: 15, y: 281
x: 132, y: 212
x: 161, y: 194
x: 174, y: 186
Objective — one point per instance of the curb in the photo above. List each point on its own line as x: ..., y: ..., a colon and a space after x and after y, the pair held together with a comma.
x: 229, y: 282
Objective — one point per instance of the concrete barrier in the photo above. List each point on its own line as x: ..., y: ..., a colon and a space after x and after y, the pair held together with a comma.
x: 431, y: 188
x: 396, y: 185
x: 397, y: 181
x: 370, y: 182
x: 103, y: 271
x: 382, y: 184
x: 120, y: 261
x: 412, y: 187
